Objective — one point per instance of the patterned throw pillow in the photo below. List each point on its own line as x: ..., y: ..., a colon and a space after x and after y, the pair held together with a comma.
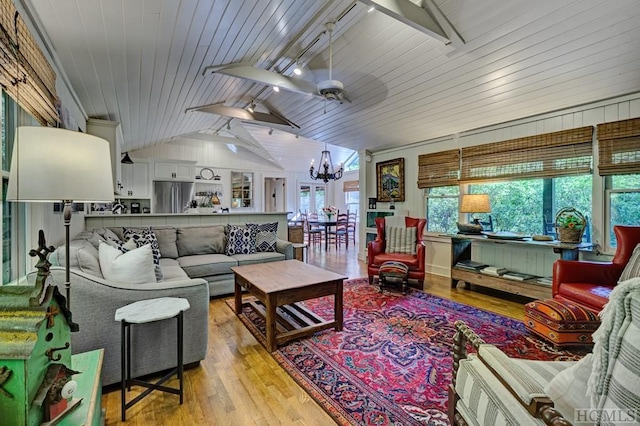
x: 401, y: 239
x: 632, y: 270
x: 266, y: 236
x: 240, y: 240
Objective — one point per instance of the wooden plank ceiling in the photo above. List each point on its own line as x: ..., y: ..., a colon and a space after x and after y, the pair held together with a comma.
x: 141, y: 63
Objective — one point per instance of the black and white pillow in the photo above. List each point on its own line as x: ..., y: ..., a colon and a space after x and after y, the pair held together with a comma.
x: 142, y: 236
x: 240, y: 240
x: 266, y: 236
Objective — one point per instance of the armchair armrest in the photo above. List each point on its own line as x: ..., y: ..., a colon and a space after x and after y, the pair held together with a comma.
x: 285, y: 247
x: 420, y: 253
x: 586, y: 272
x: 374, y: 248
x: 505, y: 370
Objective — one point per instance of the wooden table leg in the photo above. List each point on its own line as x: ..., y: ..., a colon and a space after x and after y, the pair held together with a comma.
x: 270, y: 321
x: 238, y: 296
x: 337, y: 306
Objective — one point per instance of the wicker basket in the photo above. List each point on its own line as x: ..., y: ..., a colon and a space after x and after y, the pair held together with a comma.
x: 570, y: 235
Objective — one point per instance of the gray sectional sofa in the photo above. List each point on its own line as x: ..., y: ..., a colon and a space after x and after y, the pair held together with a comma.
x: 194, y: 267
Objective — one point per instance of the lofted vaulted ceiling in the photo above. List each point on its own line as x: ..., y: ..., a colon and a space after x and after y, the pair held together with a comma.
x: 142, y: 63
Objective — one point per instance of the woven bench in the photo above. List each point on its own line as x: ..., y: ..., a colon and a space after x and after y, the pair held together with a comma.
x: 393, y: 271
x: 560, y: 322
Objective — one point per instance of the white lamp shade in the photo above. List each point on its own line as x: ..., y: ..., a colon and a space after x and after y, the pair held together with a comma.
x: 475, y: 203
x: 51, y: 164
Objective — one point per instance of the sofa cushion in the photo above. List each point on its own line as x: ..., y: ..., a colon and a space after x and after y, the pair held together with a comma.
x: 266, y: 236
x: 83, y: 256
x: 240, y: 240
x: 171, y: 270
x: 202, y: 265
x: 248, y: 259
x: 632, y: 269
x: 200, y: 240
x: 133, y: 267
x: 590, y: 295
x: 167, y: 238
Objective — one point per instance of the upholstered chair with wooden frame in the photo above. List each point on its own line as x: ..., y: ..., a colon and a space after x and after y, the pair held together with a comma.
x: 378, y: 252
x: 490, y: 388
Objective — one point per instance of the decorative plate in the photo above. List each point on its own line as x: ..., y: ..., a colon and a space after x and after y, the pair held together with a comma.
x: 505, y: 235
x: 206, y: 173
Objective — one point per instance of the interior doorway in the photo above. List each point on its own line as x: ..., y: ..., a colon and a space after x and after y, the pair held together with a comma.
x: 274, y: 191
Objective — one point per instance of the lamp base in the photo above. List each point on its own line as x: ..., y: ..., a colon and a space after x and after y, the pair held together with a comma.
x: 469, y: 228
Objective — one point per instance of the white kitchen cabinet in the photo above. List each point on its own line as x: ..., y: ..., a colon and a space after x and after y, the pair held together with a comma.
x: 174, y: 170
x: 135, y: 180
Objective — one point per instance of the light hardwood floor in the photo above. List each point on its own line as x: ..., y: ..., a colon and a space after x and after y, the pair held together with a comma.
x: 239, y: 383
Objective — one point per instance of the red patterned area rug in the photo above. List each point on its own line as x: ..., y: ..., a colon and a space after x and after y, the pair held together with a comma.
x: 391, y: 364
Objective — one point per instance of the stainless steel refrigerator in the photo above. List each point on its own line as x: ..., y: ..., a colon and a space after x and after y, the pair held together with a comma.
x: 171, y: 197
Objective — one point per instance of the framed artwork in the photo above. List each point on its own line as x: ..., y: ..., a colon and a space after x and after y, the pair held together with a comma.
x: 390, y: 177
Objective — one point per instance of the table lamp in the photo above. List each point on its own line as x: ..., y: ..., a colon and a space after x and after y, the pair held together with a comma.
x: 474, y: 203
x: 53, y: 165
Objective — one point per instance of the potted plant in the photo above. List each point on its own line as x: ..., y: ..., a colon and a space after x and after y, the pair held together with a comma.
x: 570, y: 224
x: 206, y: 206
x: 329, y: 212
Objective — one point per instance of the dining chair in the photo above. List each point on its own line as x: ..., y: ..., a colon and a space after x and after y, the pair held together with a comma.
x: 352, y: 217
x: 339, y: 233
x: 314, y: 231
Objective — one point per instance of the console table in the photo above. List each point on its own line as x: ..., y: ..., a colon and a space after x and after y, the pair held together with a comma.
x: 461, y: 250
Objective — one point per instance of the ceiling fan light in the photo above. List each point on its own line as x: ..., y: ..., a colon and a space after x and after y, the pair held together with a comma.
x: 251, y: 107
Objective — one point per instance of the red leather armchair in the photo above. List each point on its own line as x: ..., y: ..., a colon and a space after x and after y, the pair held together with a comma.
x: 589, y: 283
x: 376, y: 251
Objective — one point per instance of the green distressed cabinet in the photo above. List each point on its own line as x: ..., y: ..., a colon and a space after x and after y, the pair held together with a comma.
x: 35, y: 339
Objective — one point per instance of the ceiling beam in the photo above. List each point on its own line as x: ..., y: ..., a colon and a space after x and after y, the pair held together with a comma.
x: 410, y: 14
x: 242, y: 114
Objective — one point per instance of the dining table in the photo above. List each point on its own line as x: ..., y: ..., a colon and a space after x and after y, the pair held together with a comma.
x: 326, y: 224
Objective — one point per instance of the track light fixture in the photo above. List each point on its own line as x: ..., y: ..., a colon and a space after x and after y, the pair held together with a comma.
x: 229, y: 125
x: 126, y: 159
x: 276, y: 89
x: 298, y: 69
x: 270, y: 132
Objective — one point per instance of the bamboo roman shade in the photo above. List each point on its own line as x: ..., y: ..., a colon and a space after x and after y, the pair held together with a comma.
x: 619, y: 147
x: 351, y: 186
x: 439, y: 169
x: 568, y: 152
x: 25, y: 73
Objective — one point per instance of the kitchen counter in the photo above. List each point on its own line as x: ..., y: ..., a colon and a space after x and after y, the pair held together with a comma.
x: 188, y: 219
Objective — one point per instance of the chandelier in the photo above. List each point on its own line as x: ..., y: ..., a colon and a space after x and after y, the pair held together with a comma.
x: 326, y: 171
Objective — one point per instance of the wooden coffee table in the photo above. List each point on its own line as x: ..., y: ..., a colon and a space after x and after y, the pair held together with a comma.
x: 277, y: 286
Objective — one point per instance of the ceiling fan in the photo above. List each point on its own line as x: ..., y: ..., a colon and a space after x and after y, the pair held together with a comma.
x: 332, y: 90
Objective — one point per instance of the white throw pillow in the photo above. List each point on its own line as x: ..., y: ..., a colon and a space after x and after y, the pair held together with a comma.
x: 568, y: 389
x: 133, y: 267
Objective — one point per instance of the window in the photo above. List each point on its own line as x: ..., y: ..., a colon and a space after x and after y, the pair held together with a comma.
x: 623, y: 202
x: 311, y: 197
x: 442, y: 209
x: 352, y: 201
x: 13, y: 214
x: 525, y: 205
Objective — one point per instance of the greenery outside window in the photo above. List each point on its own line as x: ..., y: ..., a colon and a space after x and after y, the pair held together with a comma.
x: 622, y: 203
x: 442, y: 209
x: 520, y: 205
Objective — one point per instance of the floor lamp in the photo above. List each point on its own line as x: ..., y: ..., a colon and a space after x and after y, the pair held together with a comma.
x: 53, y: 165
